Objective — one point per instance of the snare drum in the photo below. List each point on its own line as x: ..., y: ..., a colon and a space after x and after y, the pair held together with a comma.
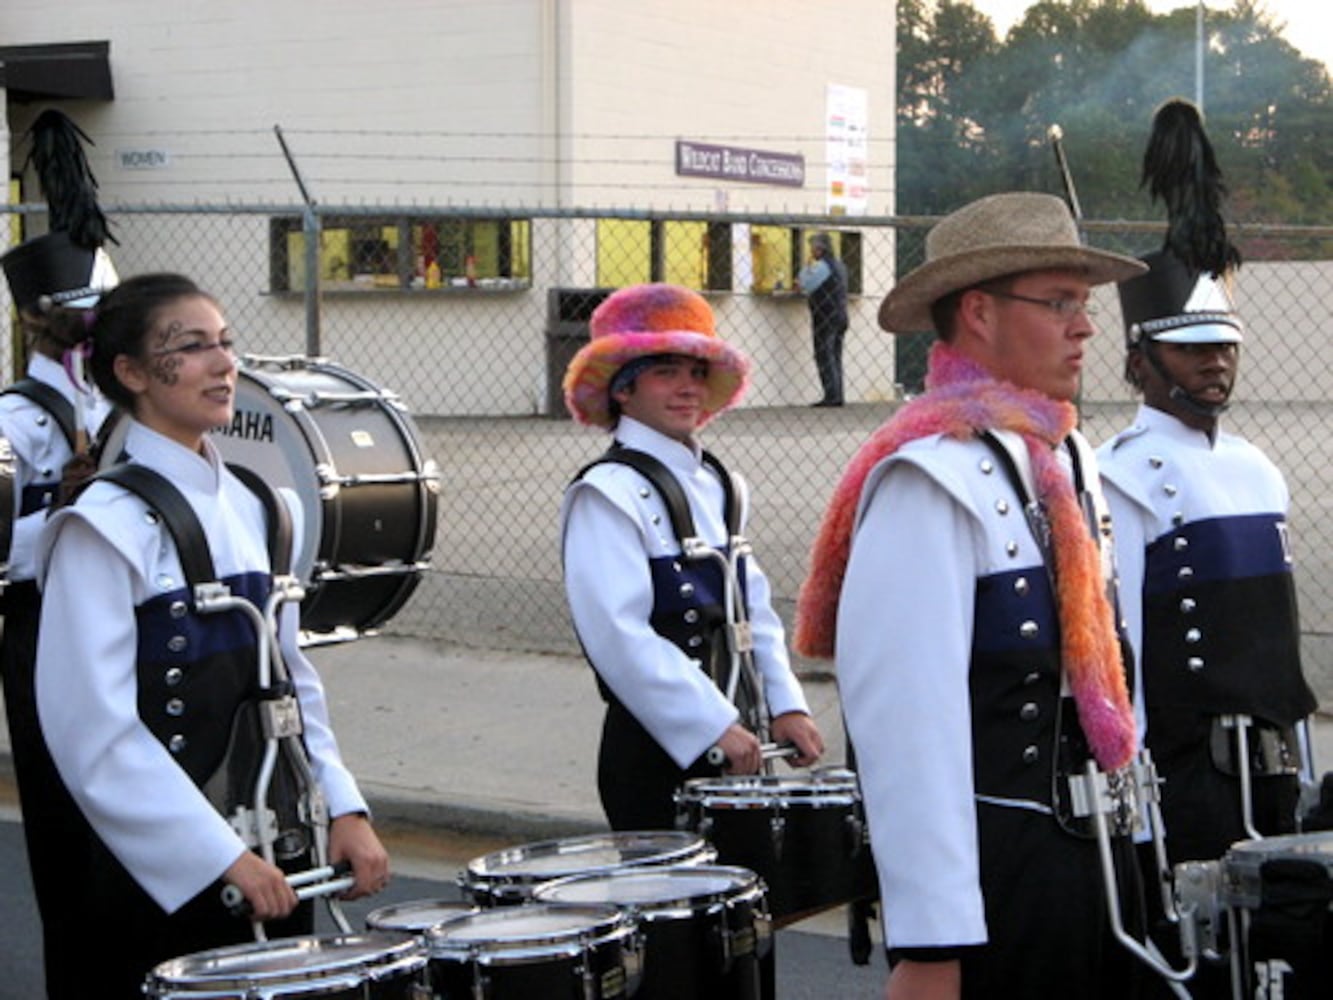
x: 333, y: 967
x: 551, y: 951
x: 705, y: 928
x: 509, y: 876
x: 805, y: 836
x: 1279, y: 896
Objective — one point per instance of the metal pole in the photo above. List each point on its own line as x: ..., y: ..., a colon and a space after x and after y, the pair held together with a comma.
x: 310, y: 229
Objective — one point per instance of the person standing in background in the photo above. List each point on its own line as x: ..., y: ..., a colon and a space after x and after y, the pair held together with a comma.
x: 1202, y: 541
x: 823, y: 282
x: 50, y: 419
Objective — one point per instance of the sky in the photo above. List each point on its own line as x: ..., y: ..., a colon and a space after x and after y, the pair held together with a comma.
x: 1307, y: 20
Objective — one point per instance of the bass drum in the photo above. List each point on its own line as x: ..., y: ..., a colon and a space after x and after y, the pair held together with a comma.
x: 351, y: 454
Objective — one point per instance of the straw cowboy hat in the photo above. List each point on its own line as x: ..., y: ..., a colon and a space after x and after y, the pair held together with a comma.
x: 644, y: 321
x: 992, y: 237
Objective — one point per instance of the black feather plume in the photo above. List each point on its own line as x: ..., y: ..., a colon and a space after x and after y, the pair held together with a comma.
x: 67, y: 181
x: 1180, y: 169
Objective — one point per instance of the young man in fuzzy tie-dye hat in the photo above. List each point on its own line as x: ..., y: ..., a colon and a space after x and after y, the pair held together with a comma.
x: 651, y: 621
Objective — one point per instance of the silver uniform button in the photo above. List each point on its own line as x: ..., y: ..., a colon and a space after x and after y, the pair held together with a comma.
x: 691, y: 616
x: 165, y: 581
x: 177, y: 743
x: 694, y: 641
x: 1029, y: 629
x: 1155, y: 462
x: 177, y: 643
x: 1002, y: 506
x: 1195, y: 663
x: 986, y: 466
x: 1193, y: 635
x: 1032, y: 678
x: 173, y: 676
x: 1180, y: 544
x: 1011, y: 549
x: 1170, y: 490
x: 1029, y: 711
x: 1021, y: 586
x: 175, y: 707
x: 1185, y: 572
x: 1031, y: 754
x: 686, y: 590
x: 178, y: 609
x: 1188, y: 604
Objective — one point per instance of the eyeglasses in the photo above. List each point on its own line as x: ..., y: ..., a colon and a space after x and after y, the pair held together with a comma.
x: 197, y: 348
x: 1066, y: 309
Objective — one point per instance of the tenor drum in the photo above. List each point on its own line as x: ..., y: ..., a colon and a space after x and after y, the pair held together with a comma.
x: 705, y: 928
x: 1279, y: 896
x: 538, y: 951
x: 509, y: 876
x: 805, y: 836
x: 351, y: 453
x: 333, y: 967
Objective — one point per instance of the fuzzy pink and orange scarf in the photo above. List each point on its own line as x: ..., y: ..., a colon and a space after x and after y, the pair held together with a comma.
x: 962, y: 399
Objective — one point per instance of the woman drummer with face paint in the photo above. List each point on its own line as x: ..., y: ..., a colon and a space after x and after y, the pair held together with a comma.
x: 138, y: 687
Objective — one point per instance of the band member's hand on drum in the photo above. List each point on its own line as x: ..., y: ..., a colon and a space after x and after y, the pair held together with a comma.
x: 800, y: 729
x: 264, y: 886
x: 352, y: 838
x: 742, y: 749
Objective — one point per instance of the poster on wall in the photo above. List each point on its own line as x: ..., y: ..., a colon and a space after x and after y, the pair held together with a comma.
x: 846, y: 146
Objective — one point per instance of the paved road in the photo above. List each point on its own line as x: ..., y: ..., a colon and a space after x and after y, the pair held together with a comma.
x: 811, y: 964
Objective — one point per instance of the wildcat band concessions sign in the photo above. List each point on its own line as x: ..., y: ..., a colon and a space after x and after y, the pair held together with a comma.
x: 754, y: 166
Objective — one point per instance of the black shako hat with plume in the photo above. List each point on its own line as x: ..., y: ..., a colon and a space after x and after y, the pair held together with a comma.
x: 1183, y: 299
x: 67, y: 266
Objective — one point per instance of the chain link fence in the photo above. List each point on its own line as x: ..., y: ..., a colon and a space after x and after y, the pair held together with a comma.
x: 469, y: 316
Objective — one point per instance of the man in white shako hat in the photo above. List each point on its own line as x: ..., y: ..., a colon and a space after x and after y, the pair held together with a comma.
x: 650, y: 620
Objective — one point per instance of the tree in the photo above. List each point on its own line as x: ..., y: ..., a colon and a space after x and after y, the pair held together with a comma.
x: 974, y: 111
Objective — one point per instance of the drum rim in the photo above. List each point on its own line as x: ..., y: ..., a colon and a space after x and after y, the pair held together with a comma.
x: 481, y: 874
x: 746, y: 886
x: 458, y: 906
x: 607, y: 923
x: 393, y: 948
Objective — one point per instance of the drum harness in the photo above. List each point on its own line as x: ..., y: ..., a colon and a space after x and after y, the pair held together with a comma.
x: 279, y: 712
x: 743, y: 686
x: 1113, y: 802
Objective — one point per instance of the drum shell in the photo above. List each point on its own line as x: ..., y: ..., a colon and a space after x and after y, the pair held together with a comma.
x: 1279, y: 892
x: 705, y: 929
x: 805, y: 838
x: 538, y: 951
x: 381, y: 965
x: 508, y: 877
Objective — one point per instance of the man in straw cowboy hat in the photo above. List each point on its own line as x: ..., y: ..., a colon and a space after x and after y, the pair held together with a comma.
x: 1202, y: 544
x: 650, y: 620
x: 957, y: 580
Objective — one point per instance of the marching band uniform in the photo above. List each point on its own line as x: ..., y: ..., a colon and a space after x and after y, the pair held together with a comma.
x: 1202, y: 522
x: 650, y: 624
x: 961, y: 577
x: 136, y: 694
x: 653, y: 624
x: 53, y: 279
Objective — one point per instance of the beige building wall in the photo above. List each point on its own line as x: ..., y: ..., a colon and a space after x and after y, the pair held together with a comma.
x: 549, y: 103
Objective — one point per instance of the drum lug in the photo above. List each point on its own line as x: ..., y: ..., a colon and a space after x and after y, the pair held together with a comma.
x: 777, y: 829
x: 856, y: 834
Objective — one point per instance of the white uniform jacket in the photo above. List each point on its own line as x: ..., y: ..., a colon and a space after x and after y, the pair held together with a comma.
x: 1221, y: 504
x: 937, y: 522
x: 612, y: 522
x: 40, y: 453
x: 101, y: 559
